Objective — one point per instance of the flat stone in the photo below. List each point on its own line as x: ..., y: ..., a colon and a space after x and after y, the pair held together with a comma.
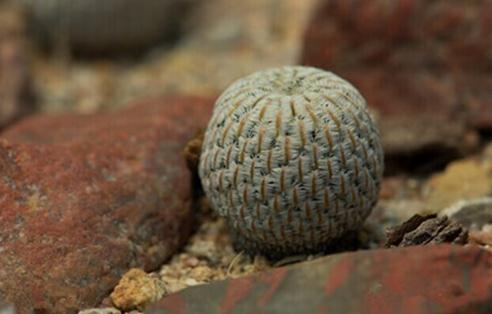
x: 416, y: 64
x: 85, y: 198
x: 421, y: 279
x: 16, y: 94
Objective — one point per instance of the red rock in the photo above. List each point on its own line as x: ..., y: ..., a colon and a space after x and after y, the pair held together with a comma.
x: 421, y: 279
x: 477, y: 90
x: 85, y: 198
x: 423, y: 65
x: 16, y: 94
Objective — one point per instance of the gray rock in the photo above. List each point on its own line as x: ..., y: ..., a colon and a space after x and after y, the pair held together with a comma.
x: 106, y: 26
x: 473, y: 214
x: 6, y: 308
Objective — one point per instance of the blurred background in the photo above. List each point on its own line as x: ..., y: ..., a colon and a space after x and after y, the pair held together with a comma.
x: 423, y: 66
x: 87, y: 55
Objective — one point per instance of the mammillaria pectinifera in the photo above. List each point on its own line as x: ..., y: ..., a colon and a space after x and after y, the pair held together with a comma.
x: 95, y: 26
x: 292, y: 159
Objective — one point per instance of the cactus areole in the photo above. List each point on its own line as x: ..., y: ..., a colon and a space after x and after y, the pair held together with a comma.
x: 292, y: 159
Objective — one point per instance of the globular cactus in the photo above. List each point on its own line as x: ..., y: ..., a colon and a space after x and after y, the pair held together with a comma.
x: 292, y: 159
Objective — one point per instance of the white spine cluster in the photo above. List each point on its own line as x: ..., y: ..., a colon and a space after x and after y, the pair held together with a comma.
x: 292, y: 159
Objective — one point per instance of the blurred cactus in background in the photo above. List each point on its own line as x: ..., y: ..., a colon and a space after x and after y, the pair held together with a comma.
x: 94, y: 26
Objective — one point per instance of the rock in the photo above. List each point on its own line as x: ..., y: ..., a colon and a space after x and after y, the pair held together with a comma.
x: 16, y: 94
x: 481, y: 238
x: 422, y: 230
x: 6, y: 308
x: 474, y: 213
x: 416, y: 64
x: 461, y: 180
x: 137, y: 289
x: 106, y: 310
x: 420, y: 279
x: 476, y: 88
x: 400, y: 199
x: 390, y: 186
x: 202, y: 273
x: 92, y: 26
x: 84, y: 198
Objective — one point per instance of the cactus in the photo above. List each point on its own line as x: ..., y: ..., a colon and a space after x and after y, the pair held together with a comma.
x: 95, y: 26
x: 292, y: 159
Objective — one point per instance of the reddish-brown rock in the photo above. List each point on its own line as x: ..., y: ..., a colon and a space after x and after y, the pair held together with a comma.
x: 425, y: 66
x: 421, y: 279
x: 85, y: 198
x: 16, y: 94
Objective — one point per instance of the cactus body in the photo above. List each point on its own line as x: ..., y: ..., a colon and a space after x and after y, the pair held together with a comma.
x: 292, y: 159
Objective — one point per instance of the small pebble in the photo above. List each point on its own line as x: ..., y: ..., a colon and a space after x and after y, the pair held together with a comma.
x: 191, y: 282
x: 202, y: 273
x: 192, y: 262
x: 7, y: 309
x: 106, y: 310
x: 136, y: 290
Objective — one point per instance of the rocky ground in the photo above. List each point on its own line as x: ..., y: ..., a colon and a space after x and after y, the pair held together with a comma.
x: 224, y: 42
x: 100, y: 213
